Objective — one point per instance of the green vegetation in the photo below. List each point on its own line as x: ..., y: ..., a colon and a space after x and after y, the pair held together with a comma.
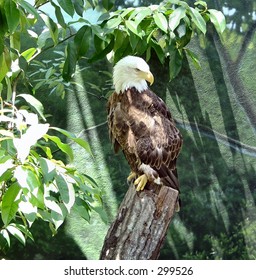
x: 65, y: 67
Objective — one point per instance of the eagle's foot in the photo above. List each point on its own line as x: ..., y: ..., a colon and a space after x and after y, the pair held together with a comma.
x: 141, y: 182
x: 131, y: 176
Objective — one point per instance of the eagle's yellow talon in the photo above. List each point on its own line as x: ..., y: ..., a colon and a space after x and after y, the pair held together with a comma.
x: 141, y: 182
x: 131, y: 176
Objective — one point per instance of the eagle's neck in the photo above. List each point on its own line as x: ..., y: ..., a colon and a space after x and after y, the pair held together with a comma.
x: 138, y: 86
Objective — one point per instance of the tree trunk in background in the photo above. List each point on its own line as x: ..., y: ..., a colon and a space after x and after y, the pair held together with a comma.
x: 141, y: 224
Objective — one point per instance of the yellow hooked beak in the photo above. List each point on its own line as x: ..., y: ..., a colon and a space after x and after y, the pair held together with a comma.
x: 148, y: 76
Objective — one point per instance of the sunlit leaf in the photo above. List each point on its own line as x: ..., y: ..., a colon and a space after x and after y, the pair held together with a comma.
x: 6, y: 236
x: 52, y: 26
x: 198, y: 19
x: 25, y: 230
x: 114, y: 22
x: 48, y: 169
x: 28, y: 139
x: 16, y: 233
x: 133, y: 27
x: 218, y: 19
x: 26, y: 178
x: 176, y: 16
x: 34, y: 103
x: 202, y: 3
x: 27, y: 54
x: 6, y: 165
x: 161, y: 21
x: 29, y: 8
x: 29, y: 211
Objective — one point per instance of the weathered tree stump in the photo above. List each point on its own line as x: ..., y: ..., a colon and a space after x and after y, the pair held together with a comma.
x: 141, y: 224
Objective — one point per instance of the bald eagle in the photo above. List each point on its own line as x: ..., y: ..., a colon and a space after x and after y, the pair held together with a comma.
x: 141, y: 125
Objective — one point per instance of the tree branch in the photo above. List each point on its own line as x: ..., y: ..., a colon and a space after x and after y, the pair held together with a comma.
x: 141, y: 224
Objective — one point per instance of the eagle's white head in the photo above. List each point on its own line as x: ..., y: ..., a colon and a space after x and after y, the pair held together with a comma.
x: 131, y: 71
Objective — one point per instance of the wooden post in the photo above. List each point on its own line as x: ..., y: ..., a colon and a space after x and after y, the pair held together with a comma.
x: 141, y: 225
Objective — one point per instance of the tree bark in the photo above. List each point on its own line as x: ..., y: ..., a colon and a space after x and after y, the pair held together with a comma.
x: 141, y: 224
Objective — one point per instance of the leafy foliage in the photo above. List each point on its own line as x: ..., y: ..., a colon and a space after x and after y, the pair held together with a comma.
x: 34, y: 182
x: 165, y: 29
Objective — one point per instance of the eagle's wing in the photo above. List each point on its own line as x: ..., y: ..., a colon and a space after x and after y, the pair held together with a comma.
x: 162, y: 141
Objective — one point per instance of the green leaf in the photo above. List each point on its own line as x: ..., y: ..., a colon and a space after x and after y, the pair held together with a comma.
x: 15, y: 42
x: 12, y: 14
x: 175, y: 62
x: 161, y: 21
x: 63, y: 147
x: 194, y: 58
x: 29, y: 211
x: 67, y: 6
x: 59, y: 15
x: 113, y: 22
x: 176, y: 16
x: 10, y: 203
x: 27, y: 54
x: 159, y: 51
x: 26, y: 178
x: 42, y: 38
x: 81, y: 207
x: 82, y: 40
x: 141, y: 14
x: 218, y: 19
x: 84, y: 144
x: 3, y: 66
x: 66, y: 190
x: 48, y: 169
x: 34, y: 103
x: 197, y: 19
x: 107, y: 49
x: 25, y: 230
x: 108, y: 4
x: 133, y: 27
x: 13, y: 230
x: 70, y: 62
x: 29, y: 8
x: 79, y: 7
x: 53, y: 28
x: 57, y: 213
x: 64, y: 132
x: 6, y: 236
